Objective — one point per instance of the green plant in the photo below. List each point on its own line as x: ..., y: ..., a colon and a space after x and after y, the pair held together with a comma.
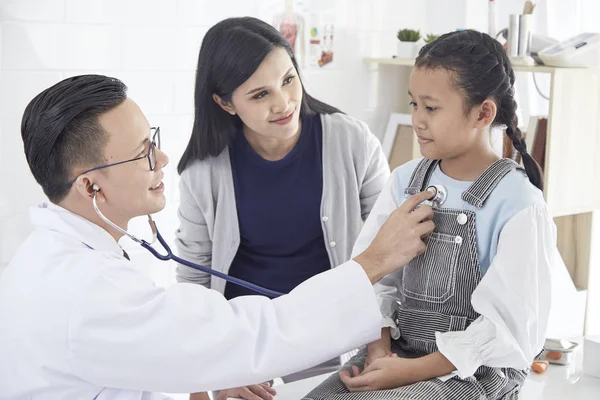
x: 408, y: 35
x: 431, y: 37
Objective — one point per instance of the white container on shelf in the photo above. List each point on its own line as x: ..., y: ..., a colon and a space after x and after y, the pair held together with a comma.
x: 408, y: 49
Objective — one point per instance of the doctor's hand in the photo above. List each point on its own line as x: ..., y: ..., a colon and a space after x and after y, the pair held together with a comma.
x: 252, y: 392
x: 400, y: 238
x: 384, y: 373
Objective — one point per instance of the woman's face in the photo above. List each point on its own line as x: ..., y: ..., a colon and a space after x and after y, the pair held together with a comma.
x: 268, y: 103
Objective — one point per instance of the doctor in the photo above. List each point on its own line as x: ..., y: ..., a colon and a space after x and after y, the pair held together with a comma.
x: 79, y: 321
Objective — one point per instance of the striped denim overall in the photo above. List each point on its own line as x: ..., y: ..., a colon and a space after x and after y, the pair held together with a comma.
x: 436, y: 297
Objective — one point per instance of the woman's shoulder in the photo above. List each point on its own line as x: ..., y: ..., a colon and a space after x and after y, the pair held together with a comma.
x: 199, y: 171
x: 349, y: 126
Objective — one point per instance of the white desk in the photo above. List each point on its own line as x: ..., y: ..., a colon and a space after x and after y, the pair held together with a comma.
x: 558, y: 382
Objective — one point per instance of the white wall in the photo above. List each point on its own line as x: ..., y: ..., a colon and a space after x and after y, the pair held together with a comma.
x: 153, y: 45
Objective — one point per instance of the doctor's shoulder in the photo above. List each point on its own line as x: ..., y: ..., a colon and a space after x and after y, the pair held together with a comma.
x: 113, y: 274
x: 66, y: 261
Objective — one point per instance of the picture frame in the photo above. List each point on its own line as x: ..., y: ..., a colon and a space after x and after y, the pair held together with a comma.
x: 399, y: 142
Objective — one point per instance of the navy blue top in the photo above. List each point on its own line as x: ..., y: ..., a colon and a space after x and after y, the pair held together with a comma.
x: 278, y: 207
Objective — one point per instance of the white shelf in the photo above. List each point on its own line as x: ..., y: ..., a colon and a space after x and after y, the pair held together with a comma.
x: 409, y: 62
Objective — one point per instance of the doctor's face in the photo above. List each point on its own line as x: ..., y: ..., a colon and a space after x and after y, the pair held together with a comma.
x: 130, y: 189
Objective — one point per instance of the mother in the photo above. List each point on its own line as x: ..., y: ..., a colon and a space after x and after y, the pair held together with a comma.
x: 275, y: 184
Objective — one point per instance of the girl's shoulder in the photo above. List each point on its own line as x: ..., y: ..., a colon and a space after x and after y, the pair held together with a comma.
x: 404, y: 172
x: 513, y: 193
x: 516, y: 192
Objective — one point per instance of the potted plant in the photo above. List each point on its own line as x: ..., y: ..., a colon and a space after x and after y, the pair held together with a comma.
x: 408, y: 46
x: 431, y: 37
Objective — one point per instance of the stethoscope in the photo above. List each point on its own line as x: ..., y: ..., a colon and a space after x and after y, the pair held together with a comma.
x: 441, y: 194
x: 436, y: 201
x: 170, y: 256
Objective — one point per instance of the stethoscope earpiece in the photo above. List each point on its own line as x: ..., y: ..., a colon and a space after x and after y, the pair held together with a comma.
x: 96, y: 188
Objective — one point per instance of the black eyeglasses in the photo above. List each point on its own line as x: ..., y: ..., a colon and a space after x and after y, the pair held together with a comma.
x: 151, y: 155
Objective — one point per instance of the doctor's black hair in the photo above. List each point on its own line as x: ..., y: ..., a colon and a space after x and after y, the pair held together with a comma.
x: 231, y: 52
x: 61, y: 131
x: 481, y: 69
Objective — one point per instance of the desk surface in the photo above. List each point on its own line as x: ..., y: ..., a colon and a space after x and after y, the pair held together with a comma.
x: 558, y: 382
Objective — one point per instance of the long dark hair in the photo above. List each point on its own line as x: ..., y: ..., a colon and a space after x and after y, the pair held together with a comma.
x: 481, y: 69
x: 230, y: 53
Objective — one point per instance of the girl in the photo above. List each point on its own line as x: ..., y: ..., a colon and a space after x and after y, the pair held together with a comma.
x: 275, y: 184
x: 465, y: 319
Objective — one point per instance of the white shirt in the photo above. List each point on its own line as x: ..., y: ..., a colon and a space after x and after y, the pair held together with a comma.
x: 514, y: 296
x: 78, y: 323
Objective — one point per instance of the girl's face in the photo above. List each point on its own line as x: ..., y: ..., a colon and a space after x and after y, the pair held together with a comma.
x: 268, y: 103
x: 442, y: 127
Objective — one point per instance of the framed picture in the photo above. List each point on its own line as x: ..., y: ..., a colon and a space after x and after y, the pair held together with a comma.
x: 399, y: 142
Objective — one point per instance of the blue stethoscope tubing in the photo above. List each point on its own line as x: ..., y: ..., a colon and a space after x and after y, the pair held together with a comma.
x: 228, y: 278
x: 170, y: 256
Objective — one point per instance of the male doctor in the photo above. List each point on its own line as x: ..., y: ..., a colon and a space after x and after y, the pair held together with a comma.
x: 79, y: 321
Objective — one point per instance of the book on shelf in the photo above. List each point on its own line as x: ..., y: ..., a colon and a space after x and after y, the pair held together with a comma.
x: 538, y: 152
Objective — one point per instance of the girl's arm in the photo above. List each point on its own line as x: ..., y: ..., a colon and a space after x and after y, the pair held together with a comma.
x: 513, y: 299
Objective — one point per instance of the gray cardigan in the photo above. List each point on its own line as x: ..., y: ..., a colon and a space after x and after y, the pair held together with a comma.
x: 354, y: 172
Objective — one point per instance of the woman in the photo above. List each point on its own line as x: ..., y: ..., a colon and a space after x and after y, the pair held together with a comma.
x: 272, y: 180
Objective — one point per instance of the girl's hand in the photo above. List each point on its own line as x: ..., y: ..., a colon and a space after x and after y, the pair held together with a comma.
x: 383, y: 373
x: 376, y: 351
x: 380, y: 348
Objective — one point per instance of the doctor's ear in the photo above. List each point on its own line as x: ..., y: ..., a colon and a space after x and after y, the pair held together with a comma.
x: 87, y: 189
x: 225, y: 105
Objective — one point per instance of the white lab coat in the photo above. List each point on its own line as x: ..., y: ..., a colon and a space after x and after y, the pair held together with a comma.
x: 81, y: 323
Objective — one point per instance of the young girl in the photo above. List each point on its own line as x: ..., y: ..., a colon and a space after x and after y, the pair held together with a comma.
x: 275, y: 184
x: 465, y: 319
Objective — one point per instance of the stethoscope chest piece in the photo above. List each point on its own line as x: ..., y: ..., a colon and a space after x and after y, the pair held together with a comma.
x: 441, y: 194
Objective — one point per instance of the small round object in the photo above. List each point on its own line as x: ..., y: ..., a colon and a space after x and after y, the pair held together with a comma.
x: 553, y: 355
x: 435, y: 189
x: 332, y: 243
x: 462, y: 218
x: 539, y: 366
x: 440, y: 195
x: 458, y: 240
x: 325, y: 219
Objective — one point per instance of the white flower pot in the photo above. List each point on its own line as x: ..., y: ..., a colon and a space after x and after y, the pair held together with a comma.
x: 407, y: 49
